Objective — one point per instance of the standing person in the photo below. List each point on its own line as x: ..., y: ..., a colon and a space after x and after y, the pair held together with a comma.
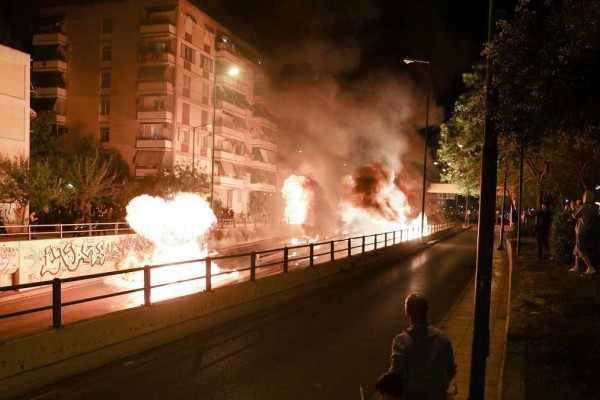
x: 422, y: 355
x: 33, y: 220
x: 586, y: 216
x: 543, y: 221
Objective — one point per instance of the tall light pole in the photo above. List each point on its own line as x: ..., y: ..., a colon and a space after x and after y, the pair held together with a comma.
x: 410, y: 61
x: 232, y: 71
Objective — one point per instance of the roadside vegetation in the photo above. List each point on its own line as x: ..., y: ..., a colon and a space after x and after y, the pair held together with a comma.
x: 560, y: 310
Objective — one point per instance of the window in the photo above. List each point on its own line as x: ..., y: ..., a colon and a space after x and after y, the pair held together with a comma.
x: 107, y: 26
x: 189, y: 28
x: 185, y: 118
x: 106, y: 53
x: 206, y: 63
x: 104, y: 106
x: 204, y: 118
x: 184, y: 136
x: 104, y: 135
x: 152, y: 131
x: 105, y: 80
x: 205, y: 92
x: 188, y: 53
x: 159, y: 47
x: 187, y: 85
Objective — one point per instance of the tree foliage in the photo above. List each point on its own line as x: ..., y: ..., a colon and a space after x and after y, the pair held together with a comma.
x: 545, y: 66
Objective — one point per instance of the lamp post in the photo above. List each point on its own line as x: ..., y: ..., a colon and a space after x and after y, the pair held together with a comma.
x: 410, y: 61
x: 232, y: 71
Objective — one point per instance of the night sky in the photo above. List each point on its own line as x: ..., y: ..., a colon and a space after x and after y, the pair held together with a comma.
x: 450, y: 34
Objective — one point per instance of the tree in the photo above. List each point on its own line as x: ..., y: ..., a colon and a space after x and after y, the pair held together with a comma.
x: 179, y: 178
x: 44, y: 138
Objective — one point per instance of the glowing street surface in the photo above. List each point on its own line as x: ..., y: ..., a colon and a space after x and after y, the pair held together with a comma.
x: 321, y: 346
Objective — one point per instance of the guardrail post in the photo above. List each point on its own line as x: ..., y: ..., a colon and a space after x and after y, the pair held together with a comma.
x: 285, y: 259
x: 89, y: 229
x: 349, y: 247
x: 147, y: 286
x: 386, y: 238
x: 312, y: 254
x: 116, y: 228
x: 394, y: 237
x: 56, y: 303
x: 363, y: 244
x: 208, y: 263
x: 375, y: 241
x: 252, y: 266
x: 60, y: 230
x: 245, y: 221
x: 332, y: 251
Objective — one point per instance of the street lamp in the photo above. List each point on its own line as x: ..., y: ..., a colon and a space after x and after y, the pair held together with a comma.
x: 231, y: 71
x: 410, y: 61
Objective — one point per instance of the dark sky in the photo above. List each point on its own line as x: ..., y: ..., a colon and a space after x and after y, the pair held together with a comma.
x: 448, y: 33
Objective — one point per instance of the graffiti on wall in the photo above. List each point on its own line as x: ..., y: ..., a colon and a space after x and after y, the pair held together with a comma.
x: 42, y: 260
x: 12, y: 213
x: 9, y: 258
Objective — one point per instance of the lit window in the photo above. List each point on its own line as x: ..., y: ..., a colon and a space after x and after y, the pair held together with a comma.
x: 188, y: 53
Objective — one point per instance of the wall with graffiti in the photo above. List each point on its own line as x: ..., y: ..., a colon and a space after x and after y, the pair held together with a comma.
x: 42, y: 260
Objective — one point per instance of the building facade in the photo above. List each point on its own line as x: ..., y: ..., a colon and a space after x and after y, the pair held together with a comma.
x: 14, y: 104
x: 161, y: 82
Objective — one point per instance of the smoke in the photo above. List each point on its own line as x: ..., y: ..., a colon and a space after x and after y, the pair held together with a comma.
x: 334, y: 117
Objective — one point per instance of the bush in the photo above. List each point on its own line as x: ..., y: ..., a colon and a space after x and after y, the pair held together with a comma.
x: 562, y: 237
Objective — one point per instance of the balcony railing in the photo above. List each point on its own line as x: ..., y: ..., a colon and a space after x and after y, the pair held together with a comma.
x: 50, y: 66
x: 144, y: 143
x: 50, y: 92
x: 155, y: 115
x: 157, y: 57
x: 157, y: 85
x: 48, y: 38
x: 161, y: 27
x: 227, y: 156
x: 53, y: 231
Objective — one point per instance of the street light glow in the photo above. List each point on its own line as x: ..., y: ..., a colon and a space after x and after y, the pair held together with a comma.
x: 233, y: 71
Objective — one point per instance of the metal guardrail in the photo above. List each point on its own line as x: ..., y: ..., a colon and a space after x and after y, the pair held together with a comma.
x: 53, y: 231
x: 300, y: 254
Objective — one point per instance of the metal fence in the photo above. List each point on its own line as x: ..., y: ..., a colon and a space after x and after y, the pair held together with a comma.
x: 53, y: 231
x: 280, y: 260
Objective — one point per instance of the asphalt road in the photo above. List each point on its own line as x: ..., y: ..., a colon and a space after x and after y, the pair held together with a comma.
x: 323, y: 346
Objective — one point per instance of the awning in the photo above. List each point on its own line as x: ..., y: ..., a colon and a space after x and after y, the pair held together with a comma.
x: 150, y: 159
x: 240, y: 170
x: 228, y: 168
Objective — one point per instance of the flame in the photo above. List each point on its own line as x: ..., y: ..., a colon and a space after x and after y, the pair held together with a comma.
x: 176, y: 228
x: 296, y: 193
x: 372, y: 203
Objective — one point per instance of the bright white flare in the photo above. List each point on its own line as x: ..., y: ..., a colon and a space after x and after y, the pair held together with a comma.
x: 176, y: 228
x: 297, y: 199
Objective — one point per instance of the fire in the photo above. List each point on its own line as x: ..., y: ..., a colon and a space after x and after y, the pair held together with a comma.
x: 371, y: 201
x: 296, y: 193
x: 176, y: 228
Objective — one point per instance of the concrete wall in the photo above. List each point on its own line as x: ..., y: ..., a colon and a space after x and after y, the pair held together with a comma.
x: 37, y: 360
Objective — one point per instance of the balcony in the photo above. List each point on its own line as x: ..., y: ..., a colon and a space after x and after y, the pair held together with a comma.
x: 229, y: 181
x: 221, y: 155
x: 49, y: 38
x: 50, y: 92
x: 157, y: 28
x: 155, y: 116
x: 263, y: 187
x: 50, y: 66
x: 156, y: 144
x: 229, y: 132
x: 264, y: 143
x: 156, y: 86
x: 157, y: 58
x: 263, y: 165
x: 141, y: 172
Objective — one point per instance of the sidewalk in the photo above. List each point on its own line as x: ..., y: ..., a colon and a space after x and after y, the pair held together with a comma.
x: 458, y: 325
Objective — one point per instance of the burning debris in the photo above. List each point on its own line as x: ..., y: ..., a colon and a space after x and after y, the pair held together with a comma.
x: 297, y: 193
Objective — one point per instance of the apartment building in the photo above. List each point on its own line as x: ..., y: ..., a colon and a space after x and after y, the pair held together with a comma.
x: 14, y: 104
x: 154, y: 80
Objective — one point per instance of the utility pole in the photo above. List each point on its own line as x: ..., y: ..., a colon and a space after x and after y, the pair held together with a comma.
x: 485, y: 239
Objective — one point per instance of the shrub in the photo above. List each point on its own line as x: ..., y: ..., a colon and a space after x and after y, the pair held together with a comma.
x: 562, y: 237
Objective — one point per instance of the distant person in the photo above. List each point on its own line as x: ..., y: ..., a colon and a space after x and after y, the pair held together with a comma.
x: 33, y: 220
x: 422, y: 355
x: 586, y: 217
x: 543, y: 222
